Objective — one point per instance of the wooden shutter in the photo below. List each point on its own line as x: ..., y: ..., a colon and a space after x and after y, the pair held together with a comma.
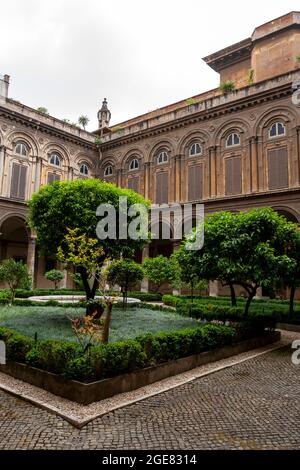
x: 52, y: 177
x: 195, y: 182
x: 18, y: 181
x: 233, y: 175
x: 162, y: 188
x: 134, y: 183
x: 278, y: 168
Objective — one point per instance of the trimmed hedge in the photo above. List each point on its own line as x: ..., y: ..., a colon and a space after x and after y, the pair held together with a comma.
x: 268, y: 313
x: 107, y: 360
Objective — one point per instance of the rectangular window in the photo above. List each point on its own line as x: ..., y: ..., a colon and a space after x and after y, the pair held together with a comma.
x: 18, y: 181
x: 233, y: 176
x: 195, y: 182
x: 134, y: 184
x: 52, y: 177
x: 162, y: 188
x: 278, y: 172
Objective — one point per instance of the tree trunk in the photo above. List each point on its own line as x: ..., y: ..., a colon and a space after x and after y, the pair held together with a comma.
x: 232, y: 293
x: 249, y: 300
x: 291, y: 305
x: 106, y: 323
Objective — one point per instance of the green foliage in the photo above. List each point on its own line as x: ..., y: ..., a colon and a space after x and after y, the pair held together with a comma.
x: 54, y: 276
x: 42, y: 109
x: 115, y: 358
x: 227, y: 86
x: 65, y: 206
x: 160, y: 270
x: 83, y: 121
x: 190, y: 101
x: 298, y: 59
x: 15, y: 274
x: 125, y: 273
x: 98, y: 140
x: 248, y: 249
x: 250, y: 76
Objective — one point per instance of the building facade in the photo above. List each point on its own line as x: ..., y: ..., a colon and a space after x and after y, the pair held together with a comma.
x: 231, y: 148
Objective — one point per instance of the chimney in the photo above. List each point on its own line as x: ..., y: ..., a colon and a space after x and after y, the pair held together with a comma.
x: 4, y: 84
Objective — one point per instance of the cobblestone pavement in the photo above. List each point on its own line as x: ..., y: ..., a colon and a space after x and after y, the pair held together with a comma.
x: 252, y: 405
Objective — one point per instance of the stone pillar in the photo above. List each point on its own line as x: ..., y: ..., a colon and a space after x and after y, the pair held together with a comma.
x: 212, y: 167
x: 70, y: 173
x: 254, y: 179
x: 2, y: 151
x: 146, y: 179
x: 65, y: 279
x: 213, y: 288
x: 259, y: 294
x: 31, y: 257
x: 119, y: 178
x: 38, y: 168
x: 177, y: 189
x: 145, y: 282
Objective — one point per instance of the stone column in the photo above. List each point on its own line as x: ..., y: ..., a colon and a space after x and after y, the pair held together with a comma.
x: 212, y: 167
x: 254, y: 179
x: 38, y: 168
x: 146, y: 179
x: 145, y: 282
x: 31, y: 257
x: 2, y: 151
x: 177, y: 188
x: 213, y: 288
x: 70, y: 173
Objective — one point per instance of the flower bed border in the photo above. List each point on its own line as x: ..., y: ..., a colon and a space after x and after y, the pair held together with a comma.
x: 87, y: 393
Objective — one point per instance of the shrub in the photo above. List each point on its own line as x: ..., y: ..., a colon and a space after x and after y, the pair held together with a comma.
x: 17, y: 345
x: 54, y: 276
x: 52, y: 355
x: 227, y: 86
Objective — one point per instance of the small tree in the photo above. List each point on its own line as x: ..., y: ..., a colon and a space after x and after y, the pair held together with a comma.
x: 160, y: 270
x: 55, y: 276
x: 15, y: 275
x: 125, y: 273
x: 187, y: 271
x: 83, y: 121
x: 42, y: 109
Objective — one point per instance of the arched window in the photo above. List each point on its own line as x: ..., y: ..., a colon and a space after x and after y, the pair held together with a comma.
x: 195, y: 149
x: 233, y: 140
x: 277, y: 130
x: 134, y: 164
x: 21, y: 149
x: 162, y: 157
x: 54, y: 159
x: 84, y: 169
x: 108, y: 170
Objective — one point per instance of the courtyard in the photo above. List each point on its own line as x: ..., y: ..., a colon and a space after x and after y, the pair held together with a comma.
x: 252, y: 405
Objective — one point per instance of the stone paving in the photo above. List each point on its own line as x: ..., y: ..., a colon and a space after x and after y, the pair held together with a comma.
x: 251, y: 405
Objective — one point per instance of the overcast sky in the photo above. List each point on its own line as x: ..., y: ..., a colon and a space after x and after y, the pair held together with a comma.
x: 67, y: 55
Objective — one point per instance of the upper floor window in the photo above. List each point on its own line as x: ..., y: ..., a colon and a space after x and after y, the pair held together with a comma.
x: 54, y: 159
x: 195, y: 149
x: 233, y: 140
x: 162, y: 157
x: 134, y: 164
x: 21, y: 149
x: 108, y: 170
x: 277, y: 130
x: 84, y: 169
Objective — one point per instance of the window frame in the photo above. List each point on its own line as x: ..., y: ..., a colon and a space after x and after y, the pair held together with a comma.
x: 58, y: 157
x: 24, y: 145
x: 163, y: 160
x: 233, y: 134
x: 136, y: 160
x: 85, y: 165
x: 276, y: 124
x: 196, y: 154
x: 105, y: 170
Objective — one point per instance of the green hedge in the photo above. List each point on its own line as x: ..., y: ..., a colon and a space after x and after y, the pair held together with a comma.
x: 269, y: 312
x: 103, y: 361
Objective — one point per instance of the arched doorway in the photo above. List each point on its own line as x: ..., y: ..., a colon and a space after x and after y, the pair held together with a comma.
x: 16, y: 242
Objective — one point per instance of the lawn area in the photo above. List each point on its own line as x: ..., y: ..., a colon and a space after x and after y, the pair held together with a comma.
x: 54, y: 323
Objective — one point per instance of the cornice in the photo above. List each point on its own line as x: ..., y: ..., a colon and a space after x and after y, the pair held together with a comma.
x: 43, y: 127
x: 203, y: 115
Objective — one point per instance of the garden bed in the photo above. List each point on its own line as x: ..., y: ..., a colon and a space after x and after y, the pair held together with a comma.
x: 86, y: 393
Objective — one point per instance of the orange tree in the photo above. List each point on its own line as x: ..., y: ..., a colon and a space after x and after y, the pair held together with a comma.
x: 62, y: 206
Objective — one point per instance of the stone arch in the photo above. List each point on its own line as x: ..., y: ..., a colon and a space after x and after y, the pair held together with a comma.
x: 283, y: 114
x: 236, y: 125
x: 161, y: 144
x: 193, y: 136
x: 53, y: 147
x: 30, y: 141
x: 290, y: 214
